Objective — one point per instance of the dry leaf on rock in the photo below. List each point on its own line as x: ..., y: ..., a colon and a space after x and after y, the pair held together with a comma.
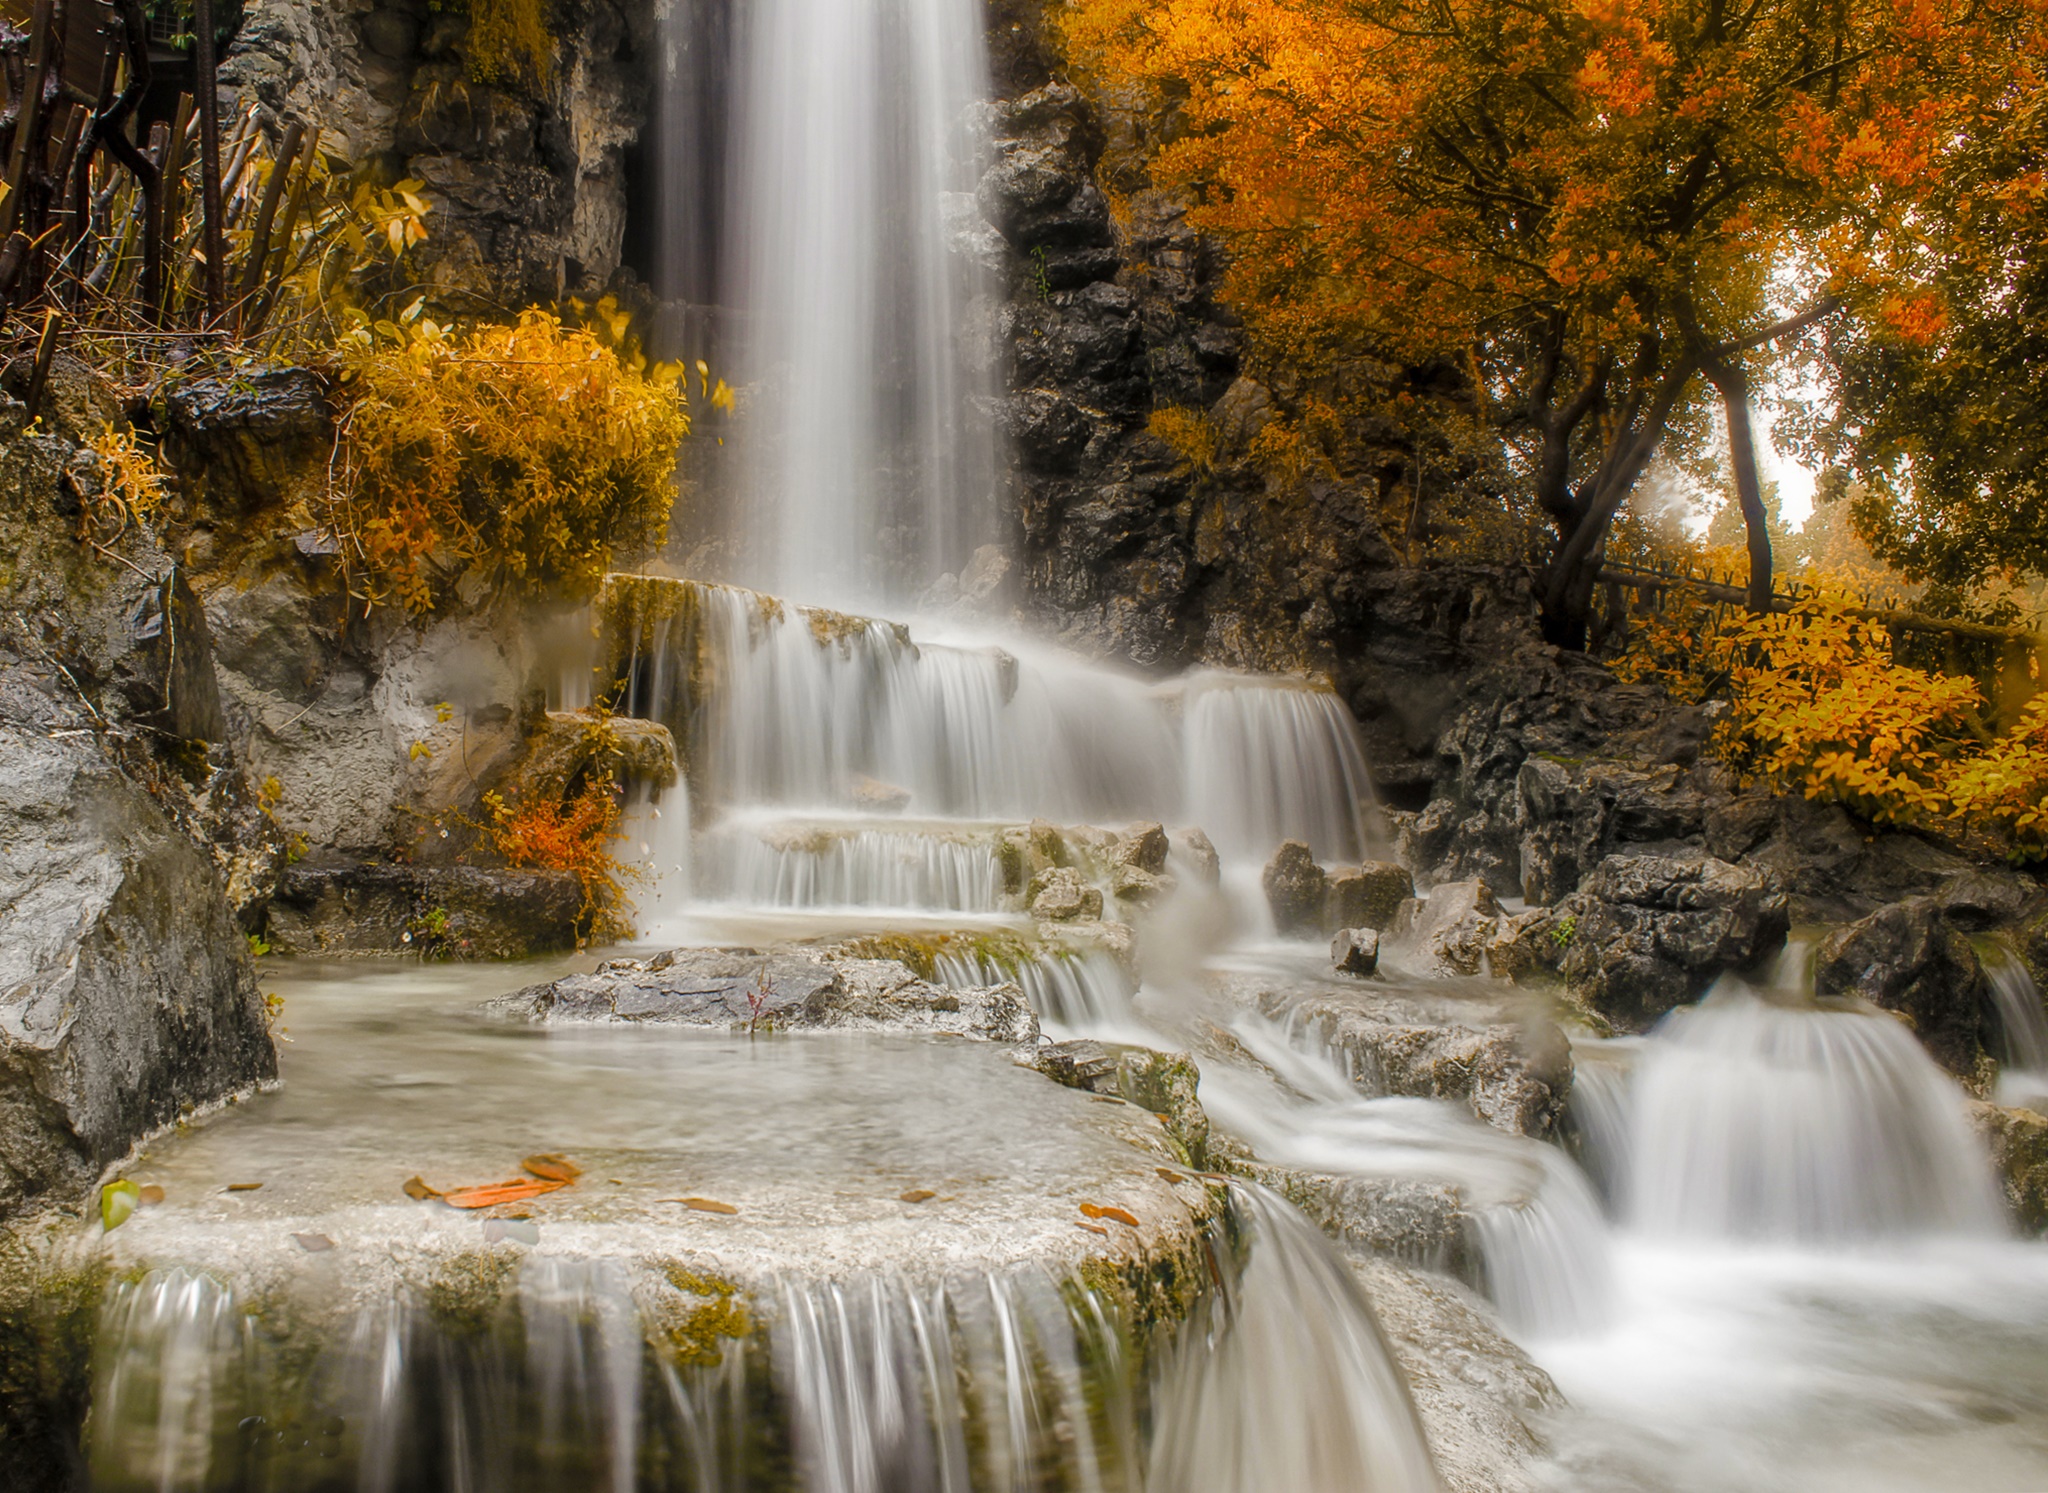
x: 703, y: 1205
x: 117, y: 1201
x: 518, y: 1190
x: 1096, y: 1210
x: 917, y: 1195
x: 149, y: 1193
x: 242, y: 1187
x: 552, y: 1168
x: 417, y: 1189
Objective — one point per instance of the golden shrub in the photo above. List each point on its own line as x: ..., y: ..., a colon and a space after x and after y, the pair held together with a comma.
x: 523, y: 458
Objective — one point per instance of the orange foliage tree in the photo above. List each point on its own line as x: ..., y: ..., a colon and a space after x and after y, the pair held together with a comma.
x: 1603, y: 214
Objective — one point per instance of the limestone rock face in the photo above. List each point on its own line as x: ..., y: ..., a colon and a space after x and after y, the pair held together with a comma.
x: 1416, y: 1221
x: 1913, y: 961
x: 1645, y: 934
x: 568, y: 745
x: 741, y: 989
x: 1295, y: 888
x: 1498, y: 1055
x: 1451, y: 930
x: 126, y: 990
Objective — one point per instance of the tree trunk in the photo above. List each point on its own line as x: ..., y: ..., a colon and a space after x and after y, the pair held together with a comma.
x: 206, y: 93
x: 1728, y: 377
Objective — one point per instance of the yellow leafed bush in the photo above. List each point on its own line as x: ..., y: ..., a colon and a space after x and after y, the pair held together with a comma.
x: 522, y: 458
x: 1819, y: 707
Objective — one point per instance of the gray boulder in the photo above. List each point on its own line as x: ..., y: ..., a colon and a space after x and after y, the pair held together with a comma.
x: 1452, y: 929
x: 1058, y: 895
x: 741, y: 989
x: 1913, y: 961
x: 1366, y: 896
x: 1355, y: 951
x: 1500, y: 1057
x: 2018, y: 1142
x: 1142, y: 847
x: 127, y: 996
x: 1295, y: 888
x: 1646, y: 934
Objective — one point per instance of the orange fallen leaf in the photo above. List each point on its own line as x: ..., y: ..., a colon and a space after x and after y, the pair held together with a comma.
x: 243, y: 1186
x: 1170, y: 1176
x: 417, y: 1189
x: 916, y: 1195
x: 1096, y: 1210
x: 703, y: 1205
x: 1093, y: 1228
x: 518, y: 1190
x: 150, y: 1193
x: 552, y: 1168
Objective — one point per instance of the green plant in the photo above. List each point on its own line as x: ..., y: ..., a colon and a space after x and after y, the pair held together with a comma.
x: 1566, y: 930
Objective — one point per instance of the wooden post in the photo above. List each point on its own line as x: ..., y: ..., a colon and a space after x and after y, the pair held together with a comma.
x: 206, y: 88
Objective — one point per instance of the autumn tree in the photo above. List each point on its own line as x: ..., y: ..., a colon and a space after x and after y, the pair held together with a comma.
x: 1943, y: 417
x: 1604, y: 213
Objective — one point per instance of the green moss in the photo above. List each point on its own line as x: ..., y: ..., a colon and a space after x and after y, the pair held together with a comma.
x: 50, y: 1297
x: 467, y: 1290
x: 696, y: 1334
x: 920, y: 952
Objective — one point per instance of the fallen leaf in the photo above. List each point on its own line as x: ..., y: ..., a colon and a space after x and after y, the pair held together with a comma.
x: 1093, y: 1228
x: 416, y: 1188
x: 1106, y: 1099
x: 314, y: 1244
x: 117, y: 1201
x: 552, y: 1168
x: 518, y: 1190
x: 917, y: 1195
x: 1096, y: 1210
x: 149, y: 1193
x: 242, y: 1187
x: 1170, y: 1176
x: 703, y: 1205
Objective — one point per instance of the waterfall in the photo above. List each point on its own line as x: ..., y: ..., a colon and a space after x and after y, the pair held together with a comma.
x: 996, y: 1381
x: 821, y: 865
x: 1284, y: 1381
x: 172, y: 1345
x: 654, y: 840
x: 1271, y: 760
x: 1598, y: 1108
x: 1761, y: 1119
x: 1079, y: 991
x: 870, y: 469
x: 2023, y: 1029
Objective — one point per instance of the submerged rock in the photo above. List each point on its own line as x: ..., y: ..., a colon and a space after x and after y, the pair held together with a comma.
x: 1913, y: 961
x: 1478, y: 1394
x: 755, y: 989
x: 1295, y: 888
x: 127, y: 996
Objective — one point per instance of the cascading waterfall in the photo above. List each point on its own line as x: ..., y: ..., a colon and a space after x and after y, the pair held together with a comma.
x: 1598, y: 1107
x: 2023, y: 1032
x: 870, y: 468
x: 1285, y: 1381
x: 1773, y: 1119
x: 1542, y: 1242
x: 1275, y: 759
x: 821, y: 866
x: 1083, y: 991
